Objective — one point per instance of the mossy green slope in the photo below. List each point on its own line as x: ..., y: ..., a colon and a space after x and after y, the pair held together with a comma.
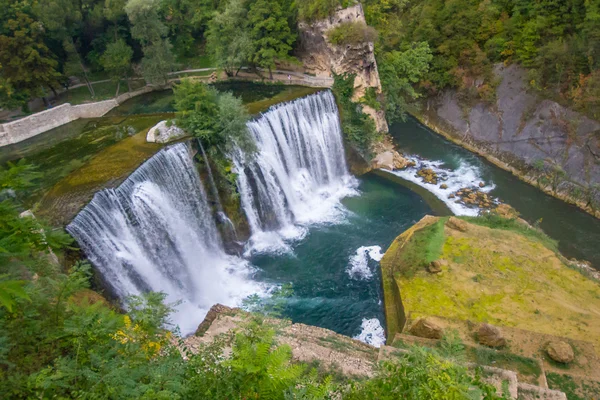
x: 509, y: 275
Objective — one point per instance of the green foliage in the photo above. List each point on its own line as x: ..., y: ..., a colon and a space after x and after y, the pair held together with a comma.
x: 217, y: 119
x: 497, y: 222
x: 556, y: 40
x: 351, y: 33
x: 312, y: 10
x: 503, y: 359
x: 158, y: 61
x: 26, y: 62
x: 228, y: 38
x: 116, y: 60
x: 270, y: 33
x: 424, y: 247
x: 358, y: 127
x: 422, y: 374
x: 399, y: 71
x: 11, y: 290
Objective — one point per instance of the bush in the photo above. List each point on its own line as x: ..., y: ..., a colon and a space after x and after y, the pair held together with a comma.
x: 359, y: 128
x: 422, y: 374
x: 347, y: 33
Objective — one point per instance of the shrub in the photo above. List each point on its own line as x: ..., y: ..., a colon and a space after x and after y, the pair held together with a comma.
x: 348, y: 33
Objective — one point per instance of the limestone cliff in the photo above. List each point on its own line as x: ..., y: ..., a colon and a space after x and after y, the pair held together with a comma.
x: 322, y: 59
x: 520, y: 129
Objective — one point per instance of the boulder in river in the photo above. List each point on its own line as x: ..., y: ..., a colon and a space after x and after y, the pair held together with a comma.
x: 164, y: 132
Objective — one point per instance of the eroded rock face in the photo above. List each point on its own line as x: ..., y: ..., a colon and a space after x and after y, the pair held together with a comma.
x: 427, y: 328
x: 560, y: 351
x: 489, y: 335
x: 324, y: 59
x: 520, y: 128
x: 164, y: 133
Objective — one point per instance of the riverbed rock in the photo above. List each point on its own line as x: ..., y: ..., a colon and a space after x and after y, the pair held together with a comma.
x: 435, y: 267
x: 428, y: 175
x: 427, y: 328
x: 481, y: 184
x: 457, y: 224
x: 560, y: 351
x: 164, y: 132
x: 443, y: 186
x: 491, y: 336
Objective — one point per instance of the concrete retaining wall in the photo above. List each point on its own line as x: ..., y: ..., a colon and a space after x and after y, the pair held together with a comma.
x: 32, y: 125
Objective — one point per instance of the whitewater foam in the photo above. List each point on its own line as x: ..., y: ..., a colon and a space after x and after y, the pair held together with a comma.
x: 156, y: 232
x: 358, y: 265
x: 371, y: 332
x: 465, y: 176
x: 299, y: 175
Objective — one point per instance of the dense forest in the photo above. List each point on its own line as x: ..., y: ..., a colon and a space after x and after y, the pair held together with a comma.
x: 422, y: 46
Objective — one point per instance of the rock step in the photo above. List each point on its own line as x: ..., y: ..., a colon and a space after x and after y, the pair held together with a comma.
x: 531, y: 392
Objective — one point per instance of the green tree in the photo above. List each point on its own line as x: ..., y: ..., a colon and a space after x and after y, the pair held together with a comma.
x: 27, y: 63
x: 270, y: 34
x: 228, y: 38
x: 399, y: 71
x: 116, y: 60
x: 151, y: 32
x: 197, y: 110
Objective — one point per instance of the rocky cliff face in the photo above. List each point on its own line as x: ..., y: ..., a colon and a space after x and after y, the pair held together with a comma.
x: 323, y: 59
x: 520, y: 129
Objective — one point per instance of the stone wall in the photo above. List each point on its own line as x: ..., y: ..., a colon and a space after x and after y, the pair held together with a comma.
x: 32, y: 125
x: 520, y: 129
x: 323, y: 59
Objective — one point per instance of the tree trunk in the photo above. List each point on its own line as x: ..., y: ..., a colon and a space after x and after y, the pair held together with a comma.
x: 118, y: 87
x: 238, y: 70
x: 128, y: 83
x: 53, y: 90
x: 270, y: 74
x: 45, y: 100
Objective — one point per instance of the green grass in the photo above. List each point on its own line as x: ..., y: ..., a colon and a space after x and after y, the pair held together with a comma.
x: 424, y: 247
x: 103, y: 91
x: 586, y: 390
x: 503, y: 359
x: 497, y: 222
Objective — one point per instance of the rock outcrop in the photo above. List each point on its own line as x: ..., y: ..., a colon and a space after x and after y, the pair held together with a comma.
x: 520, y: 130
x: 164, y: 133
x: 322, y: 59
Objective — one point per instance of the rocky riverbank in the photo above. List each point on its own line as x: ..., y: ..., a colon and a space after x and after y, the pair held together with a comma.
x: 540, y: 141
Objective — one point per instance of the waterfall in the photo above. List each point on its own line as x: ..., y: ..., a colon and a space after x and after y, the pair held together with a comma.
x: 156, y: 232
x: 299, y: 174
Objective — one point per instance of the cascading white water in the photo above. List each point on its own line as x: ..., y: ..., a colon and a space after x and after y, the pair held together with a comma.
x: 299, y: 174
x: 156, y: 232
